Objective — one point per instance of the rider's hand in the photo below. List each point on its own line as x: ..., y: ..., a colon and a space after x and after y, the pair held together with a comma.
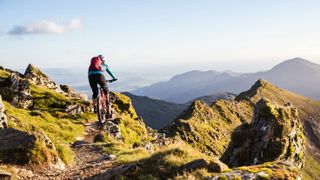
x: 114, y: 79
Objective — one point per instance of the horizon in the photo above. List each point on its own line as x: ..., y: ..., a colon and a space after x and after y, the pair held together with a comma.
x: 207, y: 35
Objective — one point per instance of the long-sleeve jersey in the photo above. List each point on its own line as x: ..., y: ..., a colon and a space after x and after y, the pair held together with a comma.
x: 97, y: 68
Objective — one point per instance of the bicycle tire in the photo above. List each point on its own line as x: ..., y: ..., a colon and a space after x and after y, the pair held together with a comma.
x: 101, y: 112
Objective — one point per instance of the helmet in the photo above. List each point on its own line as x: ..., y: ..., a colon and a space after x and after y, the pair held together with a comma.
x: 101, y: 57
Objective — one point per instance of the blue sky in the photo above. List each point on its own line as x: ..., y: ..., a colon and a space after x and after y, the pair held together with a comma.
x: 246, y: 35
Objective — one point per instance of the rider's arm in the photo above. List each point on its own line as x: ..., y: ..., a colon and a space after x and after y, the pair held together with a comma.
x: 108, y: 71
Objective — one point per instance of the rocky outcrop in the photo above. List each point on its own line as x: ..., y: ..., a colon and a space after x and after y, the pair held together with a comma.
x: 21, y: 91
x: 36, y: 76
x: 69, y: 91
x: 275, y: 135
x: 3, y: 117
x: 16, y: 146
x: 22, y: 147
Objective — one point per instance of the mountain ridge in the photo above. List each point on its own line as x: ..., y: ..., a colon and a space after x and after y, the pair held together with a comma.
x: 293, y: 74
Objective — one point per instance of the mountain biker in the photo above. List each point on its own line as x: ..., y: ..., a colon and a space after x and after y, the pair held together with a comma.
x: 96, y: 76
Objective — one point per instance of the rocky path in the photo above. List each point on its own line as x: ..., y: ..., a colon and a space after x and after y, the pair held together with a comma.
x: 89, y: 160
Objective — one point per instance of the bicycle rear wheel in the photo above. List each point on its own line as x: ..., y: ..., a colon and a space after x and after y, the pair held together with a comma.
x: 101, y: 110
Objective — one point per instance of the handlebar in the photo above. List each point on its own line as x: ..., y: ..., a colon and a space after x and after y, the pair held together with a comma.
x: 111, y: 80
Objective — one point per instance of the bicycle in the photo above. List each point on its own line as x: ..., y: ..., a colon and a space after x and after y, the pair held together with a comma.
x: 104, y: 105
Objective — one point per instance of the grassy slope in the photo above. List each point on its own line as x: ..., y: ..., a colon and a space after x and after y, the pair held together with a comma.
x: 209, y: 129
x: 48, y: 115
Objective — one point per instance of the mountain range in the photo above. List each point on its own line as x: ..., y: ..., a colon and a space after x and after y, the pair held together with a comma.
x: 296, y: 75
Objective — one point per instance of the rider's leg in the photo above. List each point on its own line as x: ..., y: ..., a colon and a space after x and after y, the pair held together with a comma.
x: 93, y: 84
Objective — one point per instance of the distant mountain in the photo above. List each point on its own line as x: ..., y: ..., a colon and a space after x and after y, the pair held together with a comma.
x: 297, y: 75
x: 156, y: 113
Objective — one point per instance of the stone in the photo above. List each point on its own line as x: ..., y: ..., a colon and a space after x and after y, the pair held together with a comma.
x: 5, y: 175
x: 113, y: 129
x: 19, y: 147
x: 193, y: 165
x: 21, y: 91
x: 3, y: 117
x: 69, y: 91
x: 116, y: 173
x: 74, y: 109
x: 217, y: 166
x: 15, y: 146
x: 36, y: 76
x: 149, y: 147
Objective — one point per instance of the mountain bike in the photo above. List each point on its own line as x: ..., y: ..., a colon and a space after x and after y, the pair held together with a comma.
x: 104, y: 105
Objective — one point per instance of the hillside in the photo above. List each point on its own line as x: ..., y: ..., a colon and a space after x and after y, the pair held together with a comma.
x: 156, y: 113
x: 294, y: 74
x: 192, y: 126
x: 41, y: 121
x: 47, y: 131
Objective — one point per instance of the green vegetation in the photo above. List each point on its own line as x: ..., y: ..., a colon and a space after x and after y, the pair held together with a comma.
x: 133, y: 129
x: 311, y: 169
x: 209, y: 129
x: 48, y: 115
x: 60, y: 131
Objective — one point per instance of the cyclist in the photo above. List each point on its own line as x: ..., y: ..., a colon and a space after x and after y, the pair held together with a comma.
x: 96, y: 76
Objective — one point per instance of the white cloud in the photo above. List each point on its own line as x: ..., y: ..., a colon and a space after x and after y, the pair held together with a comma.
x: 45, y: 27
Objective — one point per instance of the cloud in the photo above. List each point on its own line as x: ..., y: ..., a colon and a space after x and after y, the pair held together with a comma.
x: 44, y: 27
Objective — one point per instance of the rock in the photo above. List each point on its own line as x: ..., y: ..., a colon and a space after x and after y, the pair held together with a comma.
x: 22, y: 147
x: 193, y: 165
x: 272, y: 171
x: 113, y: 129
x: 116, y: 172
x: 36, y: 76
x: 16, y: 146
x: 149, y: 146
x: 72, y: 93
x: 74, y: 109
x: 3, y: 117
x: 20, y: 91
x: 57, y: 163
x: 5, y: 175
x: 275, y: 134
x: 217, y: 166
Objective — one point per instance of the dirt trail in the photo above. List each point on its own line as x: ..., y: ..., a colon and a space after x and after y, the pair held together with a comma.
x: 89, y: 160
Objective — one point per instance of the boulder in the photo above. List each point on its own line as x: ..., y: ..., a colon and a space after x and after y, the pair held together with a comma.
x: 74, y: 109
x: 113, y: 129
x: 16, y: 146
x: 36, y: 76
x: 3, y: 117
x: 22, y: 147
x: 217, y: 166
x: 20, y: 91
x: 72, y: 93
x: 193, y: 165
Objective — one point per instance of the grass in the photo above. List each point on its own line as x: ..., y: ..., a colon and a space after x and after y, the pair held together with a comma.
x: 62, y: 131
x: 163, y: 162
x: 311, y: 169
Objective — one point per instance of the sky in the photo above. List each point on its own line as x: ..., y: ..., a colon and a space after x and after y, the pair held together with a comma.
x: 163, y: 35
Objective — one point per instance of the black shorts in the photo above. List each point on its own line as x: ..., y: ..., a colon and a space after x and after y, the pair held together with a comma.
x: 96, y: 79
